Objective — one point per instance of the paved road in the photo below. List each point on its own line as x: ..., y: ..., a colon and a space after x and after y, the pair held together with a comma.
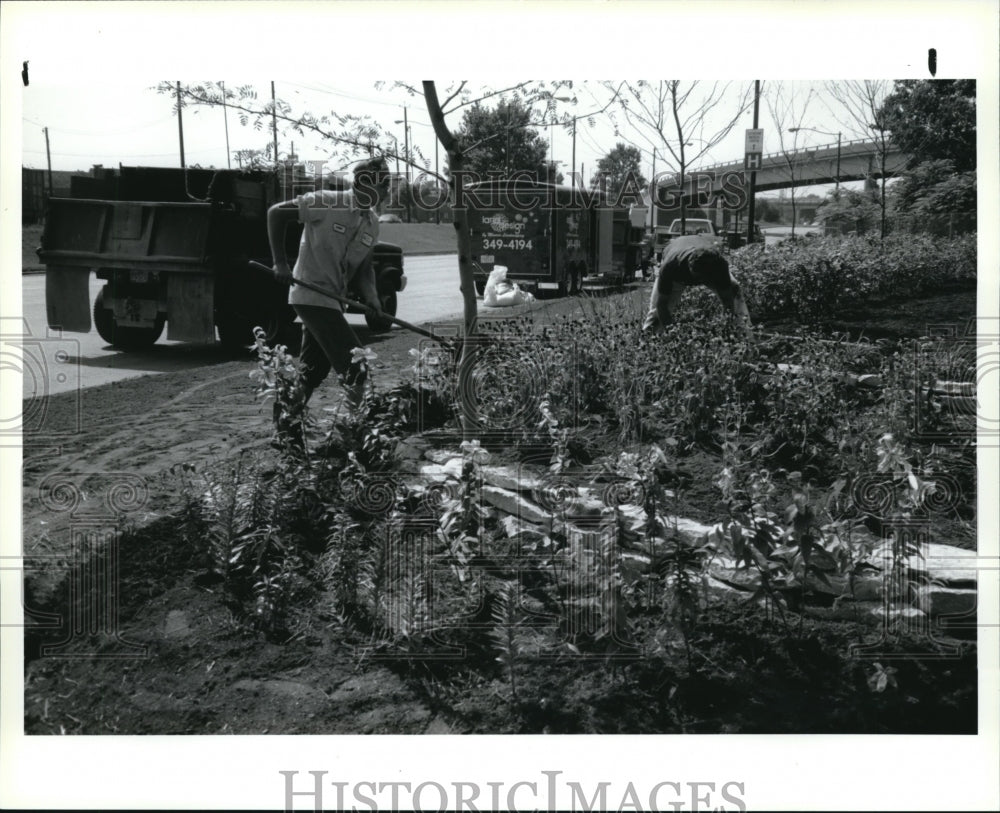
x: 777, y: 234
x: 52, y: 363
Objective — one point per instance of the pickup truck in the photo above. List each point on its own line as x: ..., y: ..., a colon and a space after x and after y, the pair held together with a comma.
x: 692, y: 225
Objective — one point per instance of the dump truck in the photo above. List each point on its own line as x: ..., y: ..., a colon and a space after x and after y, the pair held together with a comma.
x: 174, y: 248
x: 546, y: 235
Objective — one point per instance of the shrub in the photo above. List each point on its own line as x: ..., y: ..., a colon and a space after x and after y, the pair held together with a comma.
x: 819, y: 278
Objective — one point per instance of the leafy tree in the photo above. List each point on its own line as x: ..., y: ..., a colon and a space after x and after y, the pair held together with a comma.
x: 672, y: 116
x: 549, y: 172
x: 617, y: 165
x: 766, y: 211
x: 933, y: 119
x: 863, y: 101
x: 501, y: 139
x: 852, y: 209
x: 933, y: 190
x: 788, y: 110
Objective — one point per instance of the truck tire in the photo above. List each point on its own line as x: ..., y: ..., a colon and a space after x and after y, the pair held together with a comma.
x: 124, y: 338
x: 480, y: 287
x: 387, y: 301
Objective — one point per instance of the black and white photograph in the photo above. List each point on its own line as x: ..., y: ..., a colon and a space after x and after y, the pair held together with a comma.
x: 342, y: 401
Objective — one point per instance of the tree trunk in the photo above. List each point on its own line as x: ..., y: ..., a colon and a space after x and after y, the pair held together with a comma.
x: 467, y: 361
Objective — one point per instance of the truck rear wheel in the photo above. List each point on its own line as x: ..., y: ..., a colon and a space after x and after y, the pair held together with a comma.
x: 388, y: 304
x: 124, y: 338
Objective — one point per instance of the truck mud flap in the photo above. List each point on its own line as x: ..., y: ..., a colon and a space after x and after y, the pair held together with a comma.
x: 191, y: 308
x: 67, y: 298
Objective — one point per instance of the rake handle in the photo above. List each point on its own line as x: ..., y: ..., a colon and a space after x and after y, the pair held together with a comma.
x: 344, y: 300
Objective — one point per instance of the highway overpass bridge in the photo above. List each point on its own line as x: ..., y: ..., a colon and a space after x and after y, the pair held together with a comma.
x: 852, y: 161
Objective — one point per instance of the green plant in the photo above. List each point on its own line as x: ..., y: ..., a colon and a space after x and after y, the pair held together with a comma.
x: 503, y: 634
x: 460, y: 525
x: 278, y: 377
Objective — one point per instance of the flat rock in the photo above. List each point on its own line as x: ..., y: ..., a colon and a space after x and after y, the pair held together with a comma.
x: 442, y: 455
x: 720, y: 591
x: 514, y: 478
x: 936, y: 600
x: 512, y: 503
x: 442, y: 471
x: 517, y: 528
x: 941, y: 563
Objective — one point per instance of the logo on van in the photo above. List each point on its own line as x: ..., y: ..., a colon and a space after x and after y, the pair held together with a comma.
x: 499, y: 222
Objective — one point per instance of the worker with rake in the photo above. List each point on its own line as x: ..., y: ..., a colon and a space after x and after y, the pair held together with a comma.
x: 340, y: 229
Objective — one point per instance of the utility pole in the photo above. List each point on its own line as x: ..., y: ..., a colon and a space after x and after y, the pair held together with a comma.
x: 572, y: 174
x: 180, y: 124
x: 437, y: 184
x: 409, y: 191
x: 652, y: 196
x: 225, y: 118
x: 274, y: 122
x: 837, y: 188
x: 506, y: 155
x: 753, y: 173
x: 48, y: 158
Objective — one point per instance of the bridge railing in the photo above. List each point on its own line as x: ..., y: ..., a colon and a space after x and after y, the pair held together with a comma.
x: 848, y: 149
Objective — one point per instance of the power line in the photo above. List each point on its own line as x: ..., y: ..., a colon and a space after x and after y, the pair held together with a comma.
x: 128, y: 155
x: 342, y: 94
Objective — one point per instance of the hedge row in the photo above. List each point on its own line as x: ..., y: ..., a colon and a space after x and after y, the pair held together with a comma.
x: 817, y: 277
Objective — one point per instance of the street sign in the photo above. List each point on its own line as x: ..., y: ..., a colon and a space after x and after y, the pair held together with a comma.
x: 754, y: 150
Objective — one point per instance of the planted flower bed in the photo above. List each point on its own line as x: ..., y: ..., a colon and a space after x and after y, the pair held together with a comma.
x: 597, y: 532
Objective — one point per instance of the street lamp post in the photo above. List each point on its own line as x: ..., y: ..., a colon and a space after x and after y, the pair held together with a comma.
x: 824, y: 132
x: 406, y: 157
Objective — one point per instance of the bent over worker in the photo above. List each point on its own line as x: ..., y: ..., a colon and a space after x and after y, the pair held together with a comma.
x: 340, y: 229
x: 692, y: 260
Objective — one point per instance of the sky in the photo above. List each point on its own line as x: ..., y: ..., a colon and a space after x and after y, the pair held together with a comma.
x: 131, y: 123
x: 91, y: 65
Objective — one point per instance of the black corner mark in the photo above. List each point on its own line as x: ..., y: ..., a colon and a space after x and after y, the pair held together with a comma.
x: 932, y: 61
x: 24, y: 72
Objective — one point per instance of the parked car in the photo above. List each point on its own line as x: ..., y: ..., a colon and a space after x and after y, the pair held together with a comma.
x: 692, y: 225
x: 737, y: 238
x: 389, y: 218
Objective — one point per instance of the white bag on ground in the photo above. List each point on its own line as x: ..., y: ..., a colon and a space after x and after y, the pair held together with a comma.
x: 500, y: 293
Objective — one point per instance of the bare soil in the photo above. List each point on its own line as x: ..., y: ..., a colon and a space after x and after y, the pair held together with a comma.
x: 179, y: 659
